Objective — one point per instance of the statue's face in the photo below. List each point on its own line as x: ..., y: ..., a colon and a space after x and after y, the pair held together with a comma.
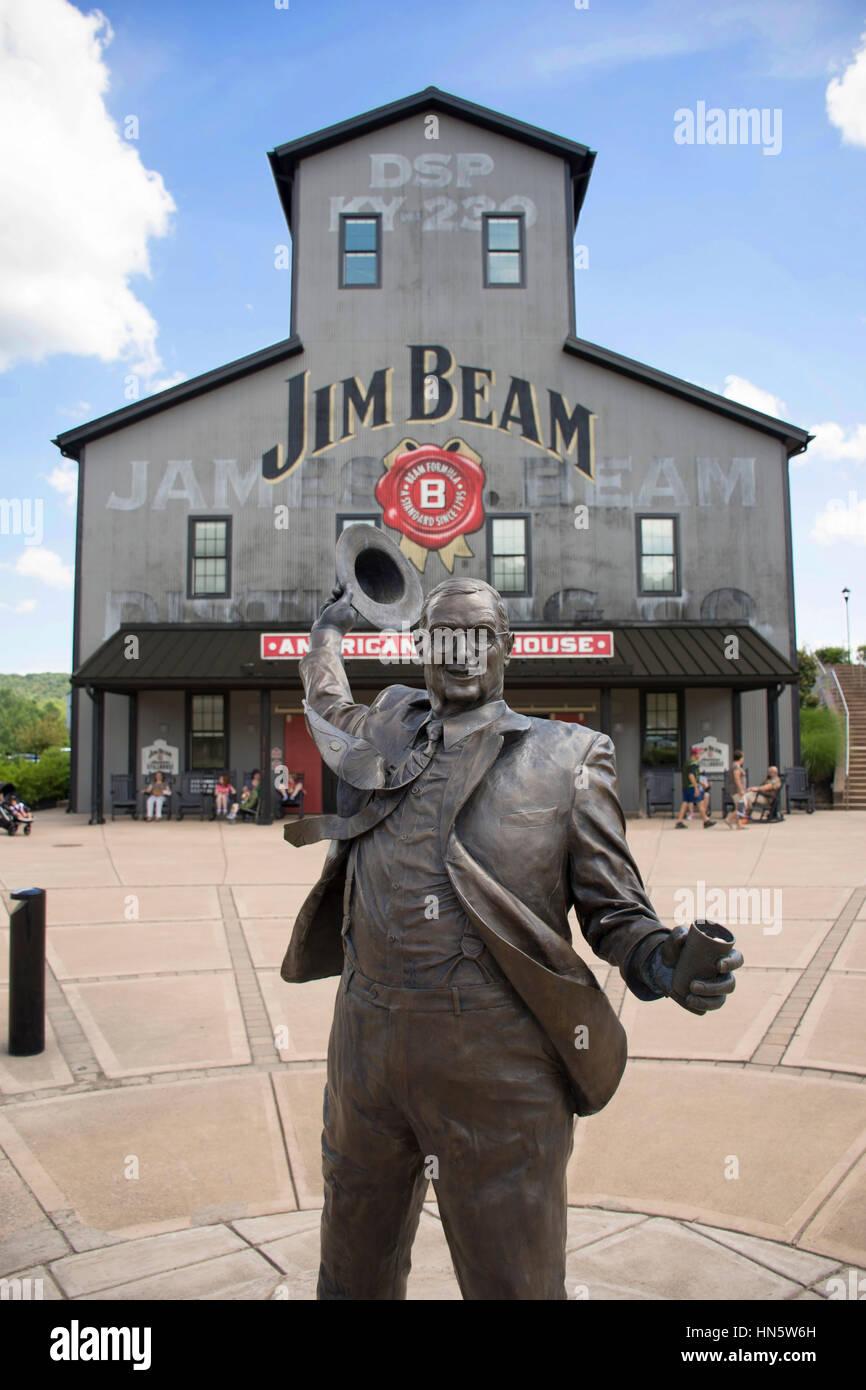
x: 461, y: 676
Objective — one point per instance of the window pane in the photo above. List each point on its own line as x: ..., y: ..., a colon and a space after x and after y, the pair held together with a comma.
x: 509, y: 536
x: 508, y: 573
x: 360, y: 269
x: 360, y: 234
x: 210, y: 538
x: 503, y: 268
x: 661, y: 735
x: 503, y: 234
x: 358, y: 521
x: 657, y: 536
x: 657, y: 573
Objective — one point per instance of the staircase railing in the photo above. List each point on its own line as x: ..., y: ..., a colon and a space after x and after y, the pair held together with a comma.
x: 847, y: 724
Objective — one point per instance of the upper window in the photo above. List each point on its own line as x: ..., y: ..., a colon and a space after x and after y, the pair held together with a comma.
x: 209, y: 558
x: 503, y: 240
x: 658, y: 557
x: 508, y: 552
x: 360, y: 251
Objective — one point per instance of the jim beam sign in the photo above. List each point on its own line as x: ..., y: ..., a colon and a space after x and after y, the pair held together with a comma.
x: 432, y: 495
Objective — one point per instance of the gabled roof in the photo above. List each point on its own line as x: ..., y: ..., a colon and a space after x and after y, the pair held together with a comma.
x: 71, y: 442
x: 284, y: 159
x: 793, y: 437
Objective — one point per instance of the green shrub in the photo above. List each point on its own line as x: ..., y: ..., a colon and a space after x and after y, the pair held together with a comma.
x: 47, y: 780
x: 821, y: 741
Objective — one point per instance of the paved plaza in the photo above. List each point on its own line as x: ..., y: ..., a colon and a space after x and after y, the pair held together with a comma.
x: 166, y: 1143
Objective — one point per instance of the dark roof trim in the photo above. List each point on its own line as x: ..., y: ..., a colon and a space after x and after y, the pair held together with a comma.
x: 795, y: 439
x: 284, y: 158
x: 71, y: 442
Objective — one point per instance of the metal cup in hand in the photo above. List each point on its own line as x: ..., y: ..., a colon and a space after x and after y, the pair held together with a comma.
x: 705, y: 945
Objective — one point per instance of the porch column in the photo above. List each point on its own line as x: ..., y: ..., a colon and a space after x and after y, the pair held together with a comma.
x: 773, y: 694
x: 266, y: 814
x: 737, y: 718
x: 604, y: 713
x: 97, y: 758
x: 132, y: 753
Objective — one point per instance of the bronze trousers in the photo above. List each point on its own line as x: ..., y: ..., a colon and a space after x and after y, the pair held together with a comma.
x: 460, y: 1086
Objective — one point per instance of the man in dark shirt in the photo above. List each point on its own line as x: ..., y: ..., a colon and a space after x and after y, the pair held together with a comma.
x: 455, y: 883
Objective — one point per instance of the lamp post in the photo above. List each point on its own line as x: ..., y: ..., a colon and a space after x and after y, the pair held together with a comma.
x: 845, y: 594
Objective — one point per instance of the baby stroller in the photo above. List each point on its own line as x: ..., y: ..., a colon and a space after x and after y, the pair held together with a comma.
x: 13, y: 811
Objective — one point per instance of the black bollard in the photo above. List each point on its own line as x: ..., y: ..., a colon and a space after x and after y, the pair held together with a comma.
x: 27, y: 973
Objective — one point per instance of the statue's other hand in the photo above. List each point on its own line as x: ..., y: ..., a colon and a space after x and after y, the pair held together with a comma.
x: 705, y: 993
x: 338, y: 611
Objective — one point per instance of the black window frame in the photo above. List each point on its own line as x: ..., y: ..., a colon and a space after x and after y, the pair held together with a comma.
x: 191, y: 696
x: 190, y: 556
x: 520, y: 218
x: 676, y: 591
x: 341, y: 265
x: 526, y: 518
x: 679, y: 694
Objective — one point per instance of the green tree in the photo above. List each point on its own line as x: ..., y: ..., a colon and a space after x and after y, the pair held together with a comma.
x: 28, y: 727
x: 808, y: 673
x: 832, y: 656
x: 861, y: 655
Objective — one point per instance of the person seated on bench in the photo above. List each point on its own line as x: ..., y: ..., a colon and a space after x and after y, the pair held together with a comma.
x: 764, y: 795
x: 249, y: 802
x: 223, y: 789
x: 156, y: 791
x: 291, y: 791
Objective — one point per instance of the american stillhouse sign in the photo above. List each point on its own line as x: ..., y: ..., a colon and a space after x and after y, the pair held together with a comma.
x: 398, y: 646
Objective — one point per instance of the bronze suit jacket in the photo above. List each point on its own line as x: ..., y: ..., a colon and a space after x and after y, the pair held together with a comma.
x: 531, y: 824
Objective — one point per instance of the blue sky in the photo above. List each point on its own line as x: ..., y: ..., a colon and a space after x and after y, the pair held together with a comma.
x: 741, y: 270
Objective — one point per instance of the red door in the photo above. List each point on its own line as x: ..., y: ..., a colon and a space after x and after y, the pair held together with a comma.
x: 301, y: 755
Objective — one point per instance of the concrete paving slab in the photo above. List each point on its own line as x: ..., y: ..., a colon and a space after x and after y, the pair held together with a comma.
x: 792, y: 948
x: 839, y: 1227
x: 33, y: 1285
x: 663, y: 1260
x: 181, y: 1021
x: 259, y: 1230
x: 669, y: 1136
x: 138, y: 948
x: 300, y: 1096
x: 432, y: 1276
x: 37, y: 1073
x: 297, y: 1257
x: 194, y: 1155
x: 799, y: 1265
x: 159, y: 865
x: 852, y: 953
x: 831, y: 1033
x: 120, y: 902
x: 587, y: 1226
x: 732, y: 1033
x: 264, y: 900
x: 267, y: 940
x: 300, y: 1015
x: 137, y: 1259
x: 26, y: 1234
x: 246, y: 1275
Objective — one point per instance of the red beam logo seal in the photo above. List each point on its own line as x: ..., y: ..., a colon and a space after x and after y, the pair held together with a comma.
x: 433, y: 496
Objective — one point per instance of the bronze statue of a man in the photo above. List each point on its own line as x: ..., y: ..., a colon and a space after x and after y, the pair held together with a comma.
x: 467, y: 1032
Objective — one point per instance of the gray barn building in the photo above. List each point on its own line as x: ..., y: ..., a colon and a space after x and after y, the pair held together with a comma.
x: 433, y: 382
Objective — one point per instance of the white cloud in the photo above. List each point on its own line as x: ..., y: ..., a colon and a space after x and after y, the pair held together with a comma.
x: 79, y: 205
x: 846, y: 99
x: 162, y: 383
x: 832, y: 443
x: 841, y: 521
x: 76, y: 412
x: 25, y: 606
x: 737, y: 388
x: 64, y: 479
x: 43, y: 565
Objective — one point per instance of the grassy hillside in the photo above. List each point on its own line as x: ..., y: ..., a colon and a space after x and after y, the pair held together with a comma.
x: 41, y: 686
